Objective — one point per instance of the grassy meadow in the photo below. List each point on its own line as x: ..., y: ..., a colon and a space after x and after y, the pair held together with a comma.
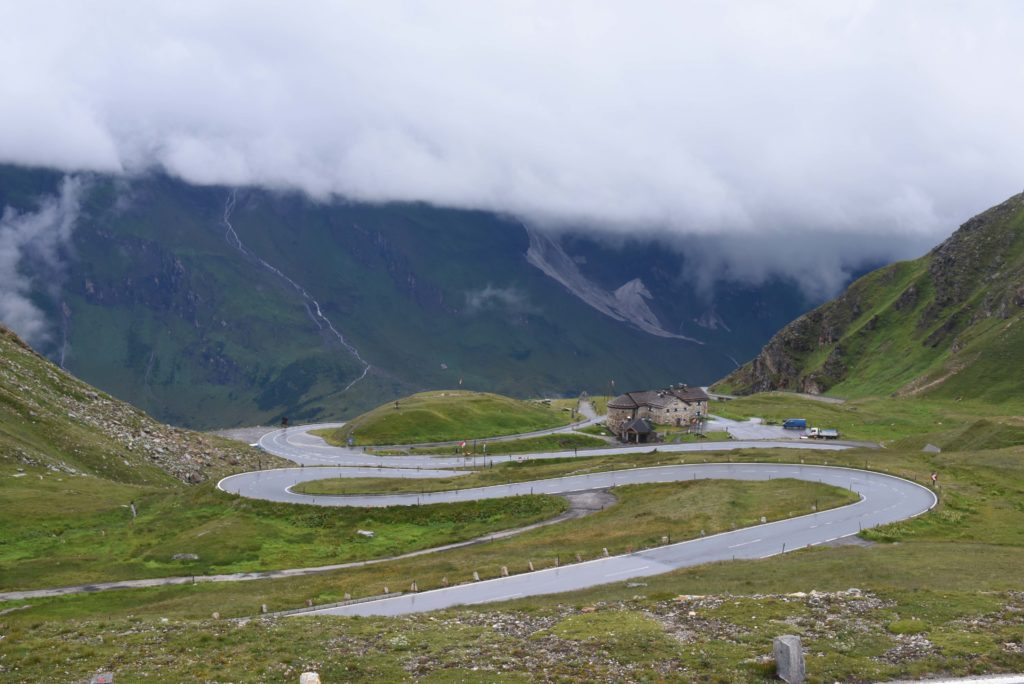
x: 642, y: 516
x: 444, y: 416
x: 566, y: 441
x: 57, y: 530
x: 905, y: 423
x: 939, y: 593
x: 936, y: 595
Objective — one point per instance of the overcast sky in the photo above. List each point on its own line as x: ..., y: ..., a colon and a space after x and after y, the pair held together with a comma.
x: 888, y: 122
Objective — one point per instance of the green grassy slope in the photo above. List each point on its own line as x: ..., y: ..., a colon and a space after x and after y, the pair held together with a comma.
x: 562, y: 441
x: 446, y: 416
x: 258, y: 535
x: 900, y: 422
x: 90, y: 535
x: 946, y: 325
x: 51, y: 420
x: 72, y: 459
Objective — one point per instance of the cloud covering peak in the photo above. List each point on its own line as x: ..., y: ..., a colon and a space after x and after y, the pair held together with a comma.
x: 30, y: 245
x: 891, y: 120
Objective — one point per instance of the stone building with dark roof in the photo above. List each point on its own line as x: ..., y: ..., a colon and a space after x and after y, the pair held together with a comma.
x: 677, y: 405
x: 638, y: 431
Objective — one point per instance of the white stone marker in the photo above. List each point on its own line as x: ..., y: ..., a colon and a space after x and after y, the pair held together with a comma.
x: 789, y: 659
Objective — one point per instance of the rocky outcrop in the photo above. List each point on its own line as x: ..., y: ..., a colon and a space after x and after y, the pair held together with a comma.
x: 781, y: 363
x: 628, y: 303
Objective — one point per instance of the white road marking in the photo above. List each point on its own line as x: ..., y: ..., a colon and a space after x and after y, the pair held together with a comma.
x: 736, y: 546
x: 623, y: 572
x: 496, y: 598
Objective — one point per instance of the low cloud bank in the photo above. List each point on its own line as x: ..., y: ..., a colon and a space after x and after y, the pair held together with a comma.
x: 30, y: 260
x: 755, y: 124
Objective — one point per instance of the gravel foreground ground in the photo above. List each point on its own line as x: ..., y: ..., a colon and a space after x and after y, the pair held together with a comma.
x: 849, y: 636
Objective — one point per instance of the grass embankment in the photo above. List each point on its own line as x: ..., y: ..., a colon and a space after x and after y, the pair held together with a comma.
x: 681, y: 436
x: 600, y: 403
x: 446, y: 416
x: 645, y: 514
x: 57, y: 530
x: 598, y: 429
x: 545, y: 443
x: 568, y: 406
x: 906, y: 422
x: 500, y: 473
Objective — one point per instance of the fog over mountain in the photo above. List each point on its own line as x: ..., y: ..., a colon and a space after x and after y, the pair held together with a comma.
x: 30, y: 245
x: 802, y: 139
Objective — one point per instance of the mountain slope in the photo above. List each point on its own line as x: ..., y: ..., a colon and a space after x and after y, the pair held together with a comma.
x: 212, y: 307
x: 947, y: 324
x: 49, y: 418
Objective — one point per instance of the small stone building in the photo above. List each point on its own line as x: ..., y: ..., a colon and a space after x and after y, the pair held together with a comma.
x: 677, y: 405
x: 638, y: 431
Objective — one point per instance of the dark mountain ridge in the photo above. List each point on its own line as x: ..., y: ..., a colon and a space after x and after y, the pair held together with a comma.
x: 210, y: 306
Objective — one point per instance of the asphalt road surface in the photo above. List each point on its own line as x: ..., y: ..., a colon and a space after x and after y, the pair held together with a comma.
x: 298, y: 445
x: 884, y: 499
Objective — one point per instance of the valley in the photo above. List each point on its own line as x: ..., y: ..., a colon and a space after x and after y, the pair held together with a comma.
x: 687, y: 544
x: 892, y: 595
x: 500, y: 343
x: 213, y: 307
x: 888, y: 586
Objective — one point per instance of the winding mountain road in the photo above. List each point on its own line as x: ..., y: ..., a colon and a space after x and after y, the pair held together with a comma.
x: 884, y: 499
x: 298, y: 445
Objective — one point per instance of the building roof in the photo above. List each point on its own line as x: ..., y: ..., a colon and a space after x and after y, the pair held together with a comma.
x: 641, y: 426
x: 690, y: 393
x: 658, y: 398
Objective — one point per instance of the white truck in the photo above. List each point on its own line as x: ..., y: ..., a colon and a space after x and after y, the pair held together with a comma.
x: 821, y: 433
